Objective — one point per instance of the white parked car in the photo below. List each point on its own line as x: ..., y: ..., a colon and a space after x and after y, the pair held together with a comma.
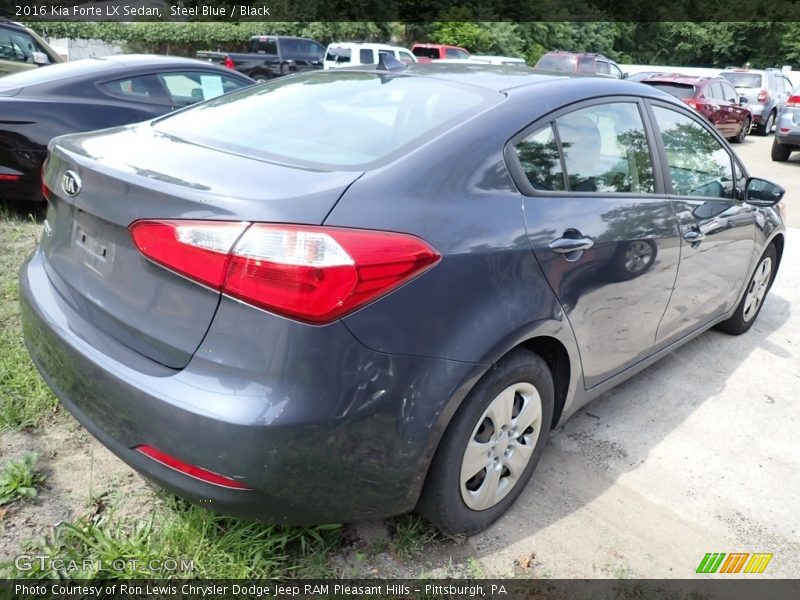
x: 353, y: 54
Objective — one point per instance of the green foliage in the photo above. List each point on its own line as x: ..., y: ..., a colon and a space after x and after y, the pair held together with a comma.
x: 25, y: 400
x: 19, y: 479
x: 202, y: 544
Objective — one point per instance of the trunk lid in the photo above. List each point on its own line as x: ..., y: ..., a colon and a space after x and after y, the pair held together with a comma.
x: 91, y: 257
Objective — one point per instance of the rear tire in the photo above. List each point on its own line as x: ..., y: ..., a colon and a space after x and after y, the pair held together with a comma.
x: 757, y: 287
x: 490, y: 435
x: 260, y: 77
x: 766, y: 128
x: 780, y: 152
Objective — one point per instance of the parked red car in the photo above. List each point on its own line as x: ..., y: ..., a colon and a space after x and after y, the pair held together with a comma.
x: 429, y: 52
x: 712, y: 97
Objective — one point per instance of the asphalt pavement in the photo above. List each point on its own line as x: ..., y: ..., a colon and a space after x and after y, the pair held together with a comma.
x: 698, y: 453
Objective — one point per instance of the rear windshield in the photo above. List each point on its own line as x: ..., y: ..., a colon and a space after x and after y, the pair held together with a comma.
x: 558, y: 62
x: 338, y: 54
x: 330, y: 119
x: 426, y: 52
x: 679, y: 90
x: 743, y: 80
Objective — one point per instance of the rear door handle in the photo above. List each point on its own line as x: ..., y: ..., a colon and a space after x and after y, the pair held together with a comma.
x: 566, y: 245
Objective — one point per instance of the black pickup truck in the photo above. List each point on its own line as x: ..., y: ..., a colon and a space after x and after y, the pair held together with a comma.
x: 271, y: 56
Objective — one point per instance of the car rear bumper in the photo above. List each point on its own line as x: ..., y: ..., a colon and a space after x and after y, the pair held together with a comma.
x: 786, y: 130
x: 351, y: 440
x: 27, y: 165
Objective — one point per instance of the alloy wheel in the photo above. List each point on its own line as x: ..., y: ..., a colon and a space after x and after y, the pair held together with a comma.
x: 501, y: 446
x: 757, y: 289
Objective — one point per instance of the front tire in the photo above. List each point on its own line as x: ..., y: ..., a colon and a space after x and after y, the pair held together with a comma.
x: 491, y: 447
x: 757, y: 287
x: 740, y: 137
x: 780, y: 152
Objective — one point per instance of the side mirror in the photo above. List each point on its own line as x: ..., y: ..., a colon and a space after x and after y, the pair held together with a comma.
x: 40, y: 58
x: 742, y: 100
x: 625, y: 75
x: 763, y: 193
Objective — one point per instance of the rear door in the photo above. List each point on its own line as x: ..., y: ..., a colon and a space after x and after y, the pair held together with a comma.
x: 601, y: 228
x: 737, y: 114
x: 717, y: 228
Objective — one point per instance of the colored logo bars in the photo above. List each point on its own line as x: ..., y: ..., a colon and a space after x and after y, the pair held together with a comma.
x: 736, y: 562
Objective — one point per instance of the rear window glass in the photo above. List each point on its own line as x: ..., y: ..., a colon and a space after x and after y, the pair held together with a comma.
x: 332, y: 119
x: 555, y: 62
x: 743, y: 80
x: 264, y: 45
x: 338, y: 54
x: 679, y: 90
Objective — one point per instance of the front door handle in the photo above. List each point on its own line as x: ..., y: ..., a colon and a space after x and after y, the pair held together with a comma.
x: 693, y: 236
x: 566, y: 245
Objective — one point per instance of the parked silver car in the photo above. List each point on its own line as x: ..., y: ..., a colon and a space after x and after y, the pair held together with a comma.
x: 766, y: 91
x: 787, y: 129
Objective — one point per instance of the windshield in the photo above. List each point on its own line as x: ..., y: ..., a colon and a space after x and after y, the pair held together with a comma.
x: 331, y: 119
x: 558, y: 62
x: 743, y: 80
x: 679, y: 90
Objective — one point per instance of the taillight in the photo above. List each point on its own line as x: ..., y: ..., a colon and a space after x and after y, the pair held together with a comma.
x: 695, y: 104
x: 763, y: 97
x: 5, y: 177
x: 313, y: 274
x: 45, y: 190
x: 228, y: 63
x: 793, y: 100
x: 189, y: 469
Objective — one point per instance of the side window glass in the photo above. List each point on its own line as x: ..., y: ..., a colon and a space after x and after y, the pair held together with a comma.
x: 698, y: 164
x: 586, y: 65
x: 188, y: 88
x: 730, y: 93
x: 605, y: 149
x: 602, y: 67
x: 716, y: 91
x: 538, y: 155
x: 144, y: 88
x: 365, y: 57
x: 615, y: 71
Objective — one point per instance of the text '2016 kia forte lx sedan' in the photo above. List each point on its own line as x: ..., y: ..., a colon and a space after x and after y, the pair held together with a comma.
x: 349, y: 294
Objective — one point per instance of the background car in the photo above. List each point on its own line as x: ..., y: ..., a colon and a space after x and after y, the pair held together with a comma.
x: 580, y: 62
x: 488, y: 59
x: 787, y: 129
x: 346, y: 294
x: 766, y: 92
x: 36, y: 106
x: 712, y: 97
x: 353, y: 54
x: 429, y: 52
x: 22, y: 49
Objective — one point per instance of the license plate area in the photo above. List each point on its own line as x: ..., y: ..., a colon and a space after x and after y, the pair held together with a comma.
x: 91, y: 246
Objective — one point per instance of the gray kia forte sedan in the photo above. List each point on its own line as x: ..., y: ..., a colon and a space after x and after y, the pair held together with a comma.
x: 355, y: 293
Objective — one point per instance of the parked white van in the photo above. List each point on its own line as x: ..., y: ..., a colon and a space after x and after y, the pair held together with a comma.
x: 353, y: 54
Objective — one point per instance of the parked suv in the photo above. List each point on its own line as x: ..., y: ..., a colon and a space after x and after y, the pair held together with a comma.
x: 580, y: 62
x: 712, y: 97
x: 767, y: 92
x: 21, y: 49
x: 353, y: 54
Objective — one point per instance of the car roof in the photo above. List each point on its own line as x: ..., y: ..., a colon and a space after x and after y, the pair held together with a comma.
x: 79, y: 70
x: 519, y: 79
x: 681, y: 79
x: 367, y: 45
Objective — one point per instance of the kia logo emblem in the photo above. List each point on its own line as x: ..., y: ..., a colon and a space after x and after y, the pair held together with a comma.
x: 71, y: 183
